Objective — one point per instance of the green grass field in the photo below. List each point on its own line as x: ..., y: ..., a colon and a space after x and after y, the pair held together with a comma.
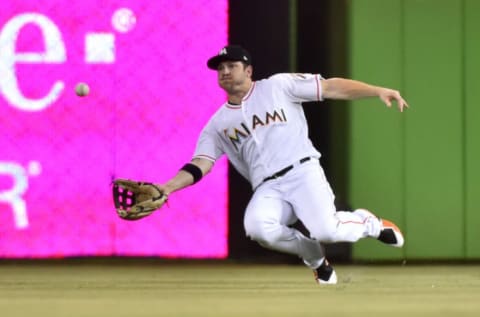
x: 231, y: 289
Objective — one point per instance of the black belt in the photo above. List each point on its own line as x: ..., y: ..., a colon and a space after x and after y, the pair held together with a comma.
x: 287, y: 169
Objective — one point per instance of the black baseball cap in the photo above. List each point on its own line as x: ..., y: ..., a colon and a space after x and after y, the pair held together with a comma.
x: 230, y: 53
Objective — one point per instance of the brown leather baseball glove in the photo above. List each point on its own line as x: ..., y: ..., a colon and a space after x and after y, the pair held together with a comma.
x: 135, y: 200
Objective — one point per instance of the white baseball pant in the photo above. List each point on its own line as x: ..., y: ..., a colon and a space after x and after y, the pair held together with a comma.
x: 302, y: 194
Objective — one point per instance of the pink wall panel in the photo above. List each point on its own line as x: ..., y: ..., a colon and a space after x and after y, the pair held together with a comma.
x: 151, y: 93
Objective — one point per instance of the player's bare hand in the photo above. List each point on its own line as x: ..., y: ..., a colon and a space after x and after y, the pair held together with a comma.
x: 389, y: 95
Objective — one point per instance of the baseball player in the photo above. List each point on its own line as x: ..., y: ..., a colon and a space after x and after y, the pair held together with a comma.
x: 263, y: 131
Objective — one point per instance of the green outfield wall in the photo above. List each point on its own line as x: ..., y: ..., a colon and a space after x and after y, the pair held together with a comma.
x: 419, y: 168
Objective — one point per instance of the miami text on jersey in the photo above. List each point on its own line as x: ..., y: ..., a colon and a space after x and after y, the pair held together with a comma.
x: 237, y: 135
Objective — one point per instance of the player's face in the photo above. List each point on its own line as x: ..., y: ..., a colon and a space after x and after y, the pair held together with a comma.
x: 233, y: 75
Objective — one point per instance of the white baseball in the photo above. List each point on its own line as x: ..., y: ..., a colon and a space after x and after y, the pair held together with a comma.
x: 82, y: 89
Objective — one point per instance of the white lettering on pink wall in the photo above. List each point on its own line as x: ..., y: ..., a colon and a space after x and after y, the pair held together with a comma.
x: 54, y: 53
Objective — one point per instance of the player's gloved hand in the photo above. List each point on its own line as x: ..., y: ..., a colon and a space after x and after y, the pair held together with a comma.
x: 135, y: 200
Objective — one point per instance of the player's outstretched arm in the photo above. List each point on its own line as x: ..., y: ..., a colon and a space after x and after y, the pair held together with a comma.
x: 188, y: 175
x: 348, y: 89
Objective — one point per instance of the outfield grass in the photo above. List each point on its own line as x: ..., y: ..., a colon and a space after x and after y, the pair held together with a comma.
x: 214, y: 289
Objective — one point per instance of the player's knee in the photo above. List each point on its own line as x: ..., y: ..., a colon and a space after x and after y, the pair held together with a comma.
x: 257, y: 233
x: 324, y: 237
x: 324, y: 234
x: 265, y: 234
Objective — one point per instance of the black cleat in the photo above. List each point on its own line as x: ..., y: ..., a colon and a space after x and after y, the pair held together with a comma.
x: 325, y: 274
x: 391, y: 234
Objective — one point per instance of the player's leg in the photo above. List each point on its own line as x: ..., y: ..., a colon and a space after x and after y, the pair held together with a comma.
x: 313, y: 202
x: 267, y: 221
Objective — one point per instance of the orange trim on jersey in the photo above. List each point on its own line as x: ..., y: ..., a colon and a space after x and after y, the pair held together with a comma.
x: 230, y: 106
x: 207, y: 157
x: 250, y: 92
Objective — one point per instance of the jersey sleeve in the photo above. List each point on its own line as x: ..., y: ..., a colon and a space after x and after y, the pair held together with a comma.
x: 208, y: 144
x: 302, y: 87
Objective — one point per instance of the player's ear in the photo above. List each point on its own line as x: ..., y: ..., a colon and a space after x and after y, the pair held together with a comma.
x: 249, y: 70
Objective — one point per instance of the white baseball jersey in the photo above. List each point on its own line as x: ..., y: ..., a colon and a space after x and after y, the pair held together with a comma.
x: 265, y: 134
x: 268, y: 131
